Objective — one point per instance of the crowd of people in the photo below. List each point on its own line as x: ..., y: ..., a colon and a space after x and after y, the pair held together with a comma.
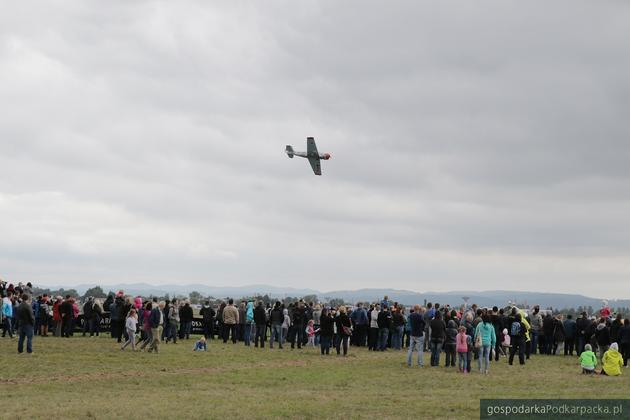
x: 462, y: 335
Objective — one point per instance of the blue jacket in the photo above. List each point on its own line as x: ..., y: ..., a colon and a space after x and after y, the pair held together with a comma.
x: 250, y: 312
x: 154, y: 318
x: 359, y: 317
x: 488, y: 336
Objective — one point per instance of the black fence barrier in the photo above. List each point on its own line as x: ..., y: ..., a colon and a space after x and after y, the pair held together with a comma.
x: 197, y: 324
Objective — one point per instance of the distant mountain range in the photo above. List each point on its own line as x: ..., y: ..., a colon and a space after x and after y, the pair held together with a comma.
x: 406, y: 297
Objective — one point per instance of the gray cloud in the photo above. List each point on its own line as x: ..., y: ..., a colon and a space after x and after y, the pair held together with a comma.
x: 474, y: 146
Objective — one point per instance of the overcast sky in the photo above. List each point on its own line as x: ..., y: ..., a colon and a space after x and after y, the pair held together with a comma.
x: 476, y: 145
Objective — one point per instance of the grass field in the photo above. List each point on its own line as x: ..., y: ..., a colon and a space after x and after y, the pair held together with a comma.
x: 91, y: 378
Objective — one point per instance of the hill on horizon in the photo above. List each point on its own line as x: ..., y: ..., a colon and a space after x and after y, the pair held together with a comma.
x: 405, y: 297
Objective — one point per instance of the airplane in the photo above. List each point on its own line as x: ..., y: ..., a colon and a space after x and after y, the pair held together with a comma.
x: 311, y: 154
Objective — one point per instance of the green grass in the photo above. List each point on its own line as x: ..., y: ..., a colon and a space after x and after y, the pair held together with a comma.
x: 91, y: 378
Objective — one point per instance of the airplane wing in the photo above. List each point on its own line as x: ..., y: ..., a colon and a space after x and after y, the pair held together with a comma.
x: 311, y: 147
x: 314, y: 161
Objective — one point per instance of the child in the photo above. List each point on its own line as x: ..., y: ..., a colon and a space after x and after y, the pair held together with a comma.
x: 469, y: 358
x: 462, y: 349
x: 588, y: 361
x: 310, y: 333
x: 505, y: 344
x: 201, y: 345
x: 130, y: 326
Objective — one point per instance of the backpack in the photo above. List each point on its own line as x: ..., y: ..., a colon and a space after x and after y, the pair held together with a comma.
x: 515, y: 329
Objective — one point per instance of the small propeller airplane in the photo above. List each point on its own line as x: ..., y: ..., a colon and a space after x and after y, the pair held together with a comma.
x: 311, y: 154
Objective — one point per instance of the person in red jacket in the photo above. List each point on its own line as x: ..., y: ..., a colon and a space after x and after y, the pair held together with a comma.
x: 57, y: 316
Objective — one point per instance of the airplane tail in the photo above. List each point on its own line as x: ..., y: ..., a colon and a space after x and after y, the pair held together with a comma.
x: 289, y: 151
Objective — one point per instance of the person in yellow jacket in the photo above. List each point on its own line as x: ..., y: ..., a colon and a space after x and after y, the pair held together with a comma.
x: 527, y: 334
x: 612, y: 361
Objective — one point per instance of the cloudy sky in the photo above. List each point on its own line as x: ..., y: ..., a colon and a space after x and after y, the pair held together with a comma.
x: 476, y: 145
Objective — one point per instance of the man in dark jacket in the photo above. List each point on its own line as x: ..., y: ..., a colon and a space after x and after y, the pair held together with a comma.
x: 88, y: 314
x: 570, y: 333
x: 185, y: 319
x: 298, y: 326
x: 207, y: 315
x: 581, y: 326
x: 548, y: 330
x: 438, y: 333
x: 260, y: 319
x: 66, y: 311
x: 276, y: 318
x: 26, y: 323
x: 385, y: 323
x: 416, y: 322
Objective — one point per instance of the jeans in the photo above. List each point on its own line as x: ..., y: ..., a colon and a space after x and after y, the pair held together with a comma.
x: 462, y: 359
x: 325, y: 344
x: 261, y: 333
x: 25, y: 331
x: 383, y: 334
x: 416, y: 344
x: 276, y: 332
x: 581, y: 342
x: 436, y: 348
x: 298, y: 335
x: 247, y: 333
x: 6, y: 324
x: 131, y: 334
x: 342, y: 340
x: 285, y: 333
x: 449, y: 351
x: 484, y: 358
x: 518, y: 343
x: 569, y: 344
x: 148, y: 339
x: 373, y: 339
x: 534, y: 341
x: 397, y: 338
x: 226, y: 332
x: 186, y: 327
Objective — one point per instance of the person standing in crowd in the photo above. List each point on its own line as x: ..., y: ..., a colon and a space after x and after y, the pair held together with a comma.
x: 207, y: 315
x: 558, y: 334
x: 7, y: 316
x: 429, y: 313
x: 359, y: 320
x: 95, y: 326
x: 517, y: 339
x: 173, y: 321
x: 450, y: 343
x: 461, y: 346
x: 535, y: 321
x: 344, y: 330
x: 230, y: 319
x: 26, y: 323
x: 88, y: 314
x: 602, y: 335
x: 438, y: 333
x: 548, y: 327
x: 416, y: 343
x: 398, y: 324
x: 384, y: 325
x: 186, y: 318
x: 614, y: 328
x: 497, y: 322
x: 44, y: 316
x: 485, y: 335
x: 157, y: 325
x: 317, y: 314
x: 325, y: 331
x: 581, y: 325
x: 286, y: 325
x: 612, y: 361
x: 260, y: 320
x: 242, y: 320
x: 249, y: 322
x: 131, y: 324
x: 146, y: 325
x: 277, y: 318
x: 374, y: 330
x: 67, y: 315
x: 624, y: 341
x: 570, y: 334
x: 298, y: 326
